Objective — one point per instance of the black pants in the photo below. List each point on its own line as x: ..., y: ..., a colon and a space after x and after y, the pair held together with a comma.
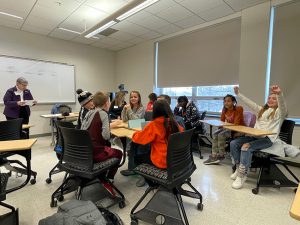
x: 141, y: 153
x: 24, y: 115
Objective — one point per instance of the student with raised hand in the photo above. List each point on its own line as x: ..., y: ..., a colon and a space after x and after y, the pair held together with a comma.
x: 96, y: 122
x: 85, y: 100
x: 117, y: 105
x: 134, y: 110
x: 231, y: 113
x: 269, y: 117
x: 152, y: 98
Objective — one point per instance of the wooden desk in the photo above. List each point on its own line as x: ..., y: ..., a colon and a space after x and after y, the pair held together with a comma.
x: 73, y: 115
x: 215, y: 123
x: 122, y: 132
x: 250, y: 130
x: 125, y: 125
x: 27, y: 126
x: 295, y: 209
x: 21, y: 147
x: 17, y: 145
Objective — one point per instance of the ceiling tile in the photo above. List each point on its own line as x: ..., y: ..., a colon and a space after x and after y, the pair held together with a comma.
x: 34, y: 29
x: 83, y: 40
x: 151, y: 35
x: 101, y: 45
x: 138, y: 17
x: 136, y: 40
x: 17, y: 7
x: 11, y: 23
x: 217, y: 12
x: 149, y: 21
x: 115, y: 48
x: 159, y: 6
x: 168, y: 29
x: 41, y: 22
x: 109, y: 41
x: 174, y: 13
x: 201, y: 5
x: 61, y: 34
x: 107, y: 6
x: 83, y: 17
x: 190, y: 22
x: 130, y: 28
x: 238, y: 5
x: 122, y: 36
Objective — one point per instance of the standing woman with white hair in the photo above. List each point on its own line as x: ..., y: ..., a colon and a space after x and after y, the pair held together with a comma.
x: 15, y: 101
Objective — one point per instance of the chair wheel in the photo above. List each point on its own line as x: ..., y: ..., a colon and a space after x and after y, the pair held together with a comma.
x: 122, y: 204
x: 48, y: 180
x: 255, y: 191
x: 33, y: 181
x: 60, y: 198
x: 200, y: 206
x: 134, y: 222
x: 53, y: 204
x: 295, y: 190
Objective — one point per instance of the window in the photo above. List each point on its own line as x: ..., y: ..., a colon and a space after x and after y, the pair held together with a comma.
x: 207, y: 98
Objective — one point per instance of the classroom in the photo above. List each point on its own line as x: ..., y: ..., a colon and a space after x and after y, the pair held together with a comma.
x: 192, y: 102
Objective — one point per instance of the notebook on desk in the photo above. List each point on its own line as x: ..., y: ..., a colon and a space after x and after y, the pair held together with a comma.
x: 135, y: 124
x: 144, y: 124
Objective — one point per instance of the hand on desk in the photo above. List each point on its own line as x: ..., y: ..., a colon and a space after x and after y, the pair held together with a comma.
x: 115, y: 123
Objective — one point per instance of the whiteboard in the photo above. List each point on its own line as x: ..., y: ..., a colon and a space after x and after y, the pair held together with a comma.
x: 48, y: 82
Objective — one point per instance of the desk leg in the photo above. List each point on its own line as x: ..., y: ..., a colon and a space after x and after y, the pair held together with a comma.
x: 210, y: 131
x: 28, y: 161
x: 52, y: 135
x: 124, y: 143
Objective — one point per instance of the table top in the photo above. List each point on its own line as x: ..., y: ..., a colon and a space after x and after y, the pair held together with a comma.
x: 125, y: 125
x: 122, y: 132
x: 15, y: 145
x: 250, y: 130
x: 74, y: 114
x: 26, y: 126
x: 295, y: 209
x: 217, y: 123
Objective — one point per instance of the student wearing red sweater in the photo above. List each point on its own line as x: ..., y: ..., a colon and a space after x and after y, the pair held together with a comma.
x: 231, y: 113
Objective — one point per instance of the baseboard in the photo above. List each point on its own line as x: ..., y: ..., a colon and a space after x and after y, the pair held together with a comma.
x: 40, y: 135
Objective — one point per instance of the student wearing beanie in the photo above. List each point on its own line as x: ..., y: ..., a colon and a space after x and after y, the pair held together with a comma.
x: 85, y: 100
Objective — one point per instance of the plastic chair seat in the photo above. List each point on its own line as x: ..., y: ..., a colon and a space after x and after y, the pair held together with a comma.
x: 152, y: 172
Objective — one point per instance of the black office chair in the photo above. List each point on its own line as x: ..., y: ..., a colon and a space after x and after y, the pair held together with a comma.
x: 202, y: 139
x: 11, y: 130
x: 148, y: 115
x: 269, y: 174
x: 11, y: 218
x: 166, y: 206
x: 77, y: 160
x: 58, y: 146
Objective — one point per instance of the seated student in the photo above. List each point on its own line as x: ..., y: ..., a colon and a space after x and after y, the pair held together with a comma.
x: 167, y: 98
x: 231, y: 113
x: 152, y: 98
x: 85, y: 100
x: 157, y: 133
x: 269, y: 117
x: 97, y: 123
x: 117, y: 105
x: 134, y: 110
x: 189, y: 112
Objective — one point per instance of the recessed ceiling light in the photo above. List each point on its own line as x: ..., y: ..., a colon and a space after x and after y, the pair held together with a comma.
x: 11, y: 15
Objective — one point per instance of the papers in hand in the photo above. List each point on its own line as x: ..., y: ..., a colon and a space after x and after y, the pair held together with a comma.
x: 29, y: 102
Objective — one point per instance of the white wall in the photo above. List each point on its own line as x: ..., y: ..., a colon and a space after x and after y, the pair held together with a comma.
x: 94, y: 67
x: 135, y: 68
x: 135, y: 65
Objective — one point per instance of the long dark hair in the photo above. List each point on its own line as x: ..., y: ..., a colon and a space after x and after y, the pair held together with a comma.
x: 233, y: 99
x: 162, y: 108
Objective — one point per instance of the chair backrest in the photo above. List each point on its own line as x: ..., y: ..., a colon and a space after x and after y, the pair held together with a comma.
x: 59, y: 139
x: 78, y: 148
x: 203, y: 115
x: 10, y: 129
x: 180, y: 162
x: 249, y: 119
x: 148, y: 115
x: 286, y: 131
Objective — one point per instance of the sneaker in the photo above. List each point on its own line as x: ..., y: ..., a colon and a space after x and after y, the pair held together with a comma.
x: 234, y: 175
x: 108, y: 187
x: 221, y: 157
x: 211, y: 160
x: 127, y: 172
x: 141, y: 182
x: 239, y: 182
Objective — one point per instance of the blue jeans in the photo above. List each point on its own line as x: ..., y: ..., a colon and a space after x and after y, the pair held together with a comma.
x: 244, y: 157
